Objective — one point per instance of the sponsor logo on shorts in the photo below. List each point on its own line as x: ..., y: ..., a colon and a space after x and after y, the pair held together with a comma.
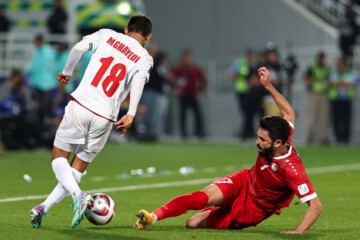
x: 226, y: 180
x: 303, y: 189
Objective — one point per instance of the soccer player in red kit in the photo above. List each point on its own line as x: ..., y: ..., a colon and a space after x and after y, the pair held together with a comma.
x: 248, y: 197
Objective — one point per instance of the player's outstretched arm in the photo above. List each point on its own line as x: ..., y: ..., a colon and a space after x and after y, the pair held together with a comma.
x: 283, y: 105
x: 310, y: 217
x: 73, y: 58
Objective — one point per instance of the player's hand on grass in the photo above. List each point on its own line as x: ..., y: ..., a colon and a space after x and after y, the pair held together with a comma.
x: 124, y: 123
x: 265, y: 77
x: 63, y: 78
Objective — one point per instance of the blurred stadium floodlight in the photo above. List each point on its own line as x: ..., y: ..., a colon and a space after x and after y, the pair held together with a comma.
x: 124, y: 8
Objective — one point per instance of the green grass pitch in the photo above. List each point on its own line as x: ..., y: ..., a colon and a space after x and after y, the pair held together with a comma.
x: 339, y: 192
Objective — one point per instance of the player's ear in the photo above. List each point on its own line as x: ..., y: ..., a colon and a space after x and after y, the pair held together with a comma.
x: 148, y: 37
x: 278, y: 143
x: 126, y: 30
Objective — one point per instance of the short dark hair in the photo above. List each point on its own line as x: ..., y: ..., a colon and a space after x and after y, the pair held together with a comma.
x: 321, y: 54
x: 140, y: 24
x: 39, y: 37
x: 277, y: 127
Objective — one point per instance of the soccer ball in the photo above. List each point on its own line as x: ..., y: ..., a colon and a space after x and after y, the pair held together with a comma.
x: 102, y: 210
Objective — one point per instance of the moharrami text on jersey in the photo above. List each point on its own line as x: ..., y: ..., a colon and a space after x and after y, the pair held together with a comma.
x: 123, y: 49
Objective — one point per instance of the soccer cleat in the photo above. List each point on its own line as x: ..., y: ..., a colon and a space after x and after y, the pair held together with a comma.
x: 37, y: 215
x: 79, y: 206
x: 145, y: 219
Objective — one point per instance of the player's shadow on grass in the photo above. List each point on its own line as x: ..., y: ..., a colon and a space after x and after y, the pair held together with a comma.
x: 279, y: 235
x: 91, y: 234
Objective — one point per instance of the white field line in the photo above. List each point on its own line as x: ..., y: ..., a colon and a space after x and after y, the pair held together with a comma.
x: 318, y: 170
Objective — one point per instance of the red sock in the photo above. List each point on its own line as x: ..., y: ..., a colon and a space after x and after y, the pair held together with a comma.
x: 181, y: 204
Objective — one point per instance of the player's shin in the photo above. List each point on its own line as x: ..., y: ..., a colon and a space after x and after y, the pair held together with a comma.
x: 64, y: 175
x: 181, y: 204
x: 59, y: 193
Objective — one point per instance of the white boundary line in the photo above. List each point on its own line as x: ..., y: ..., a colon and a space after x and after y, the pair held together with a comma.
x: 319, y: 170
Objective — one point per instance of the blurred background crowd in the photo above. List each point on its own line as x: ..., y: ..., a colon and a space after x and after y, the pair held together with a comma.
x: 195, y: 92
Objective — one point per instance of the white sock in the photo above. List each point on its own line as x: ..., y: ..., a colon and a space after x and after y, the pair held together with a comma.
x: 59, y: 193
x: 64, y: 175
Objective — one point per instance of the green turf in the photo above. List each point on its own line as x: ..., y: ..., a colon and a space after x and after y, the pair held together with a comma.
x: 338, y: 191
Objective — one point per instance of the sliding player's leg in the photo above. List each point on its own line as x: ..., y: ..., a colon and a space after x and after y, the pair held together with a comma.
x: 210, y: 196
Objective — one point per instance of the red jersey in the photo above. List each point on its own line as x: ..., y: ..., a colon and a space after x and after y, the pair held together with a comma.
x: 273, y: 182
x: 190, y: 79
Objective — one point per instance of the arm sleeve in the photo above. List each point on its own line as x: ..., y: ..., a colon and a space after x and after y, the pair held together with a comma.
x: 136, y: 90
x: 299, y: 182
x: 289, y: 141
x: 234, y: 68
x: 140, y: 78
x: 88, y: 43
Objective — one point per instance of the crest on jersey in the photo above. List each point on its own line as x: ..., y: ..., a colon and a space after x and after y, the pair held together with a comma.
x: 274, y: 167
x: 226, y: 180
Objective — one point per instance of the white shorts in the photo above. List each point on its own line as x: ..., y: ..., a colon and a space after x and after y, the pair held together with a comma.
x: 82, y: 132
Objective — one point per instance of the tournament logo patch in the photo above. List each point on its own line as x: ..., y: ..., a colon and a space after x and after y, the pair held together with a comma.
x: 303, y: 189
x: 274, y: 167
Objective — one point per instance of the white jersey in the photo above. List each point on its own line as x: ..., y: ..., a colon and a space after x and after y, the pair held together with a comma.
x: 108, y: 77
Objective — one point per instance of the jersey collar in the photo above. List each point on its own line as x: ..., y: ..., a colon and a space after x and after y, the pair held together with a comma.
x: 286, y: 155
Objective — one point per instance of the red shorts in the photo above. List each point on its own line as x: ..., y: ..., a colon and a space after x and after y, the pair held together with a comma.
x: 238, y: 209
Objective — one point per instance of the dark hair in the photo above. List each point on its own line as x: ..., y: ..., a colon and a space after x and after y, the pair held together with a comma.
x: 140, y: 24
x: 277, y: 127
x: 39, y: 37
x: 321, y: 54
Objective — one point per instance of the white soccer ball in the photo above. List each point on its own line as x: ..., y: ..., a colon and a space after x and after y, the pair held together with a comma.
x: 102, y: 210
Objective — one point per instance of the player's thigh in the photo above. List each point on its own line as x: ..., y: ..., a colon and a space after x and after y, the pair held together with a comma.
x: 72, y: 129
x: 216, y: 197
x: 99, y: 132
x: 199, y: 220
x: 58, y: 152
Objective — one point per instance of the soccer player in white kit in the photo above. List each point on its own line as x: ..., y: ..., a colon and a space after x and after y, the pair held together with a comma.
x: 120, y: 64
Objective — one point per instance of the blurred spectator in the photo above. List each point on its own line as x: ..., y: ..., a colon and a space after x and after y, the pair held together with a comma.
x: 349, y: 30
x: 4, y: 22
x: 190, y: 83
x: 317, y: 81
x: 272, y: 63
x: 341, y: 94
x: 290, y: 66
x: 14, y: 128
x: 4, y: 28
x: 162, y: 71
x: 61, y: 94
x: 57, y: 20
x: 60, y: 61
x: 240, y: 74
x: 42, y: 76
x: 147, y: 123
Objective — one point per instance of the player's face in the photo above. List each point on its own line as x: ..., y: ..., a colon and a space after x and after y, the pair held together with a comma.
x: 264, y: 143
